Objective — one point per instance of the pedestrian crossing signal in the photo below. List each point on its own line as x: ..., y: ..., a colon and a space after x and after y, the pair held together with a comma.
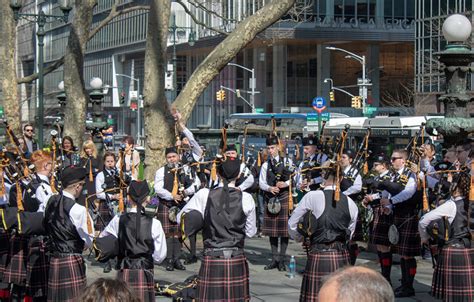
x: 220, y: 95
x: 331, y: 96
x: 356, y: 102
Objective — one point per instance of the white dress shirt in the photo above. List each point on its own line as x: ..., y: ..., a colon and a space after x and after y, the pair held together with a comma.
x: 447, y: 209
x: 162, y: 193
x: 357, y: 185
x: 159, y: 238
x: 263, y: 174
x: 315, y: 201
x: 195, y: 148
x: 199, y: 202
x: 78, y: 216
x: 43, y: 192
x: 408, y: 191
x: 99, y: 181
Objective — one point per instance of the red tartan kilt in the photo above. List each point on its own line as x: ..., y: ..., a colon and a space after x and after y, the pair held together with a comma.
x: 4, y: 252
x: 276, y: 225
x: 223, y: 279
x: 67, y: 278
x: 380, y: 227
x: 15, y: 271
x: 105, y: 214
x: 162, y: 214
x: 453, y: 277
x: 409, y: 243
x: 140, y: 281
x: 318, y: 265
x: 37, y: 268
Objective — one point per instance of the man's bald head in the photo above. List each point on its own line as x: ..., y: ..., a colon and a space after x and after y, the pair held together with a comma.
x: 356, y: 284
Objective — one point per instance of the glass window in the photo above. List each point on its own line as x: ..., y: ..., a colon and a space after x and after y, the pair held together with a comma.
x: 388, y: 8
x: 349, y: 8
x: 338, y: 8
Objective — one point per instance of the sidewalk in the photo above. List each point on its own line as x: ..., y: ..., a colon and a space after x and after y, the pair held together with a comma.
x: 275, y: 286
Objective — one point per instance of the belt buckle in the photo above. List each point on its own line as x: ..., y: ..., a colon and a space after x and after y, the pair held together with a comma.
x: 227, y: 254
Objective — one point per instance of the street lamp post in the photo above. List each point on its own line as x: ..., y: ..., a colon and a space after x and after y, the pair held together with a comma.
x: 173, y: 28
x: 364, y: 82
x: 252, y: 86
x: 41, y: 19
x: 139, y: 130
x: 98, y: 124
x: 332, y: 87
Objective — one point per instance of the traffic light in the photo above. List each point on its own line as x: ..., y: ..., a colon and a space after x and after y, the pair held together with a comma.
x: 220, y: 95
x: 122, y: 97
x: 356, y: 102
x: 331, y: 96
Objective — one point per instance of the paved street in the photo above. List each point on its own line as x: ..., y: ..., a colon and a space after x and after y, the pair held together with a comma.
x: 275, y: 286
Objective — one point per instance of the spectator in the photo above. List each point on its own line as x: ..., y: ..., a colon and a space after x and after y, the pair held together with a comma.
x: 131, y: 158
x: 108, y: 290
x: 30, y: 142
x: 355, y: 284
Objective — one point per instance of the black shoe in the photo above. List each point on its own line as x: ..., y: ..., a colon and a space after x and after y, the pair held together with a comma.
x: 191, y: 260
x: 405, y: 292
x: 282, y: 266
x: 179, y: 266
x: 170, y: 265
x: 108, y: 267
x: 271, y: 265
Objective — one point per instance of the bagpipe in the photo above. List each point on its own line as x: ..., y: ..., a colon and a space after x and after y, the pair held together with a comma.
x: 335, y: 155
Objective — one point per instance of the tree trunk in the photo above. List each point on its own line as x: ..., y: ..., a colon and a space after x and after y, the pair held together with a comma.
x: 8, y: 84
x: 158, y: 120
x: 243, y: 34
x: 77, y: 96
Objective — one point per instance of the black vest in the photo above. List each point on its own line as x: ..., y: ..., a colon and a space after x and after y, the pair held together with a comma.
x: 459, y: 228
x: 110, y: 182
x: 277, y: 172
x: 30, y: 203
x: 183, y: 179
x: 410, y: 205
x: 333, y: 224
x: 309, y: 163
x: 224, y: 220
x: 59, y: 226
x: 136, y: 252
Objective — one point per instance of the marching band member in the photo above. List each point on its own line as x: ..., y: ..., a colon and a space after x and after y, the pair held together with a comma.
x: 334, y: 225
x: 310, y: 179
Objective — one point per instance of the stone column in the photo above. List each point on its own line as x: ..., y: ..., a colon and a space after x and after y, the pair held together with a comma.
x: 279, y: 76
x: 324, y: 71
x: 374, y: 72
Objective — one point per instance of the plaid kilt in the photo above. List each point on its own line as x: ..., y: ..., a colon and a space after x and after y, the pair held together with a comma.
x: 67, y: 278
x: 409, y: 243
x: 453, y: 277
x: 380, y: 226
x: 276, y: 225
x: 223, y: 279
x: 15, y: 272
x: 4, y: 252
x: 140, y: 281
x: 318, y: 265
x: 162, y: 214
x: 104, y: 212
x: 37, y: 268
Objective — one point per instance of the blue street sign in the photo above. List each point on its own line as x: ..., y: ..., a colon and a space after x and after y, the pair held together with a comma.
x: 319, y: 104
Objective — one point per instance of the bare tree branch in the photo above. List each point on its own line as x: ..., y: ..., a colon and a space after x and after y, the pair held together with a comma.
x: 200, y: 5
x: 186, y: 9
x: 59, y: 62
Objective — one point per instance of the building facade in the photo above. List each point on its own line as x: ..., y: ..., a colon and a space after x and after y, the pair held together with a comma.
x: 290, y: 58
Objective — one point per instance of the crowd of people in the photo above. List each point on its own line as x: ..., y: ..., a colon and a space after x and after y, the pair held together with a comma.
x: 408, y: 200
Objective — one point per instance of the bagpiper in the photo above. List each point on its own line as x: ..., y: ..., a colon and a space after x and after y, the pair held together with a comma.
x: 275, y: 177
x: 141, y: 241
x: 333, y: 223
x: 71, y: 230
x: 229, y: 216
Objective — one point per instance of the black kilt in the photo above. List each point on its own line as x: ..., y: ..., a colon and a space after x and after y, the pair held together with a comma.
x: 4, y: 252
x: 104, y: 212
x: 140, y: 281
x: 223, y: 279
x: 318, y: 265
x: 276, y: 225
x: 453, y: 277
x: 170, y: 228
x: 409, y: 243
x: 380, y: 227
x: 37, y: 268
x: 67, y: 278
x: 15, y: 272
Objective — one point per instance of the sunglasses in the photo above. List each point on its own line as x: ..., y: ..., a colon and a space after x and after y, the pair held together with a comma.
x: 395, y: 158
x: 28, y: 130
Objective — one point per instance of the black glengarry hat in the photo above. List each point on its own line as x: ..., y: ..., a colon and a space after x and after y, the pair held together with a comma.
x: 171, y: 150
x: 229, y: 169
x: 138, y: 190
x: 71, y: 175
x: 231, y: 147
x: 310, y: 141
x: 272, y: 140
